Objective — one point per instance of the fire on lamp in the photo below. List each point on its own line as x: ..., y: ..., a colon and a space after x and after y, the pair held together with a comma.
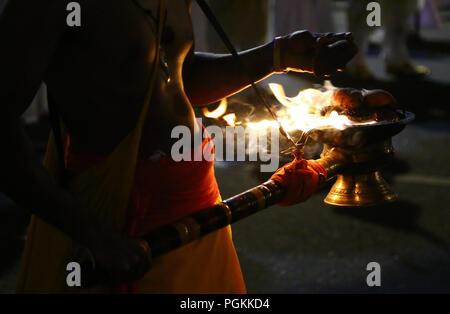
x: 357, y: 124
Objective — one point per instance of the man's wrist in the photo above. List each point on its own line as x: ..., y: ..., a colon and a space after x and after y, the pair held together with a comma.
x: 278, y: 66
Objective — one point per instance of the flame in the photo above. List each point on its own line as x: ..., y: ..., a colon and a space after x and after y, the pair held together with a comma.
x: 230, y: 119
x: 218, y: 112
x: 304, y: 111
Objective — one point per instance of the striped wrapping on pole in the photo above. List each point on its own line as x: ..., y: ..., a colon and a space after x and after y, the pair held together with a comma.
x: 196, y: 225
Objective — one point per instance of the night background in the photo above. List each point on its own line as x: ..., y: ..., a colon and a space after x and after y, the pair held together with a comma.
x: 311, y: 247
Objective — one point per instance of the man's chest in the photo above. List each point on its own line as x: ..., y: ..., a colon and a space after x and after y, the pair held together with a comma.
x: 108, y: 60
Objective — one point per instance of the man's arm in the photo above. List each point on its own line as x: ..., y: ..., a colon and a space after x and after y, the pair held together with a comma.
x: 211, y: 77
x: 29, y: 36
x: 29, y: 32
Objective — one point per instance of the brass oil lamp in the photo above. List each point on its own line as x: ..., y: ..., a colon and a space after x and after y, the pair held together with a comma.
x: 366, y: 148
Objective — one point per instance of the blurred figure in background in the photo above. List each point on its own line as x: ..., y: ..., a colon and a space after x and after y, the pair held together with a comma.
x: 395, y: 17
x: 250, y: 23
x: 291, y: 15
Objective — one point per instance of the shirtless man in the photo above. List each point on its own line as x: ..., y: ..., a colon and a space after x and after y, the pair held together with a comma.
x: 98, y: 75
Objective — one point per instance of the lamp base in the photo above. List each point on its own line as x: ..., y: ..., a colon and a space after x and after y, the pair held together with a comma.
x: 357, y: 190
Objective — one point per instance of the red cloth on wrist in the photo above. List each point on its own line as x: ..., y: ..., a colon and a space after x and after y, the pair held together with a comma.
x: 300, y: 178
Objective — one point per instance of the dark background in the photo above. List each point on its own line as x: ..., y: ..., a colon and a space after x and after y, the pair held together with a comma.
x: 312, y: 247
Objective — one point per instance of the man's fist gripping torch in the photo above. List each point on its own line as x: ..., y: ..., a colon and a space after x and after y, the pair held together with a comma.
x: 293, y: 183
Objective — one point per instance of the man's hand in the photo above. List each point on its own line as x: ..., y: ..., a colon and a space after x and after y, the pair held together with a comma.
x: 117, y: 258
x: 321, y: 54
x: 123, y: 260
x: 301, y: 178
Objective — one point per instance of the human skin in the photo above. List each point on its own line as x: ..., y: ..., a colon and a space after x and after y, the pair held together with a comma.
x: 98, y: 74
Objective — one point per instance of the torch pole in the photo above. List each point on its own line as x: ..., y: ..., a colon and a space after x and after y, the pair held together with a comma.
x: 194, y: 226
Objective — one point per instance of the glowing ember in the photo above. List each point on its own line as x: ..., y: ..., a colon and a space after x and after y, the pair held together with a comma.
x: 230, y: 119
x: 218, y: 112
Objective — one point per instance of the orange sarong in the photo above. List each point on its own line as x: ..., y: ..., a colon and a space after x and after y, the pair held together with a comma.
x: 163, y: 192
x: 159, y: 192
x: 136, y: 196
